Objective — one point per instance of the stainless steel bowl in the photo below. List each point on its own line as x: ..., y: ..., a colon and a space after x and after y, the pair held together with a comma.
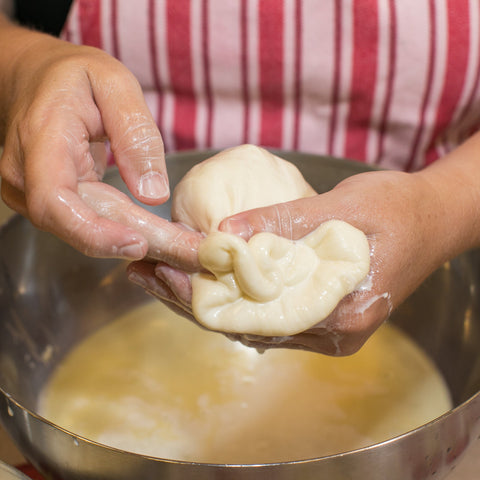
x: 51, y: 297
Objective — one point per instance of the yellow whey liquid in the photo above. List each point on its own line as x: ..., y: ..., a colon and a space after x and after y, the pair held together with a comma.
x: 153, y: 383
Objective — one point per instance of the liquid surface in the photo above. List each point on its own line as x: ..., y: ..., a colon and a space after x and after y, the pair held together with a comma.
x: 153, y: 383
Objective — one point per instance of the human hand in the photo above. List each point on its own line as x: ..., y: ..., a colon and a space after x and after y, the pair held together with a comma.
x: 61, y: 102
x: 168, y: 242
x: 400, y: 214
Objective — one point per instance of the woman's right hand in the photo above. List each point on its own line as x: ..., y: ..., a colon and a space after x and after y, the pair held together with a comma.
x: 59, y: 103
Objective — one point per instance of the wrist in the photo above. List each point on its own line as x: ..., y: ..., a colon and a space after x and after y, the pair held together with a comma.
x: 455, y: 183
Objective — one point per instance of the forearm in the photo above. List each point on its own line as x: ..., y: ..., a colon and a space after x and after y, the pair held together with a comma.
x: 14, y: 41
x: 22, y: 52
x: 455, y: 197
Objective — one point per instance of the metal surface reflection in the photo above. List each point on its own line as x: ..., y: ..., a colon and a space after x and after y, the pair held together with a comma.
x: 51, y: 297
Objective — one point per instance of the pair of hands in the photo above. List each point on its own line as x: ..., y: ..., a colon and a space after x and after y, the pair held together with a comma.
x: 61, y: 102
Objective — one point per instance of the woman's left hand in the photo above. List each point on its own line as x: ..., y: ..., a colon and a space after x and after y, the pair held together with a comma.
x: 403, y: 218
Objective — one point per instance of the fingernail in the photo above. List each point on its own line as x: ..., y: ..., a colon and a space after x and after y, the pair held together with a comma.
x: 134, y: 251
x: 137, y: 279
x: 153, y: 185
x: 237, y: 226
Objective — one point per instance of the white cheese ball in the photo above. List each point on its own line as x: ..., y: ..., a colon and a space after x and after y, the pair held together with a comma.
x: 270, y: 285
x: 232, y: 181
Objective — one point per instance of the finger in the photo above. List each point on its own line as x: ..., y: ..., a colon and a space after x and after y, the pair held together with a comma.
x: 261, y: 345
x: 353, y: 321
x: 134, y: 137
x: 89, y: 233
x: 167, y: 242
x: 360, y: 312
x: 178, y: 281
x: 142, y: 273
x: 316, y: 340
x: 174, y: 307
x: 14, y: 198
x: 99, y: 155
x: 11, y: 162
x: 52, y: 200
x: 292, y: 220
x: 313, y: 342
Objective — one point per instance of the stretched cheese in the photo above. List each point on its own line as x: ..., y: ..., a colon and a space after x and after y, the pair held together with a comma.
x: 270, y: 285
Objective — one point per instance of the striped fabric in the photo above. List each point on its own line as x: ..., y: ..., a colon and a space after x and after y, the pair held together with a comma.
x: 388, y: 82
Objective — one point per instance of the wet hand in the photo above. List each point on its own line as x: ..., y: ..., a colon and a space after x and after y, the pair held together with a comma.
x: 63, y: 102
x: 400, y: 215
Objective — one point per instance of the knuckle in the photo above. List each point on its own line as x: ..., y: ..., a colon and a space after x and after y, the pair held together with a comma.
x: 284, y: 220
x: 37, y: 207
x: 27, y: 125
x: 86, y: 236
x: 7, y: 168
x: 91, y: 247
x: 108, y: 75
x: 6, y: 196
x: 139, y: 139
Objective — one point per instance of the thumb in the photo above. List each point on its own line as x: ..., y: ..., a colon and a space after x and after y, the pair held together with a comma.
x: 292, y: 220
x: 134, y: 137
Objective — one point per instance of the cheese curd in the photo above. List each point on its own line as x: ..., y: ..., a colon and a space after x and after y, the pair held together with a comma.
x: 232, y: 181
x: 270, y: 285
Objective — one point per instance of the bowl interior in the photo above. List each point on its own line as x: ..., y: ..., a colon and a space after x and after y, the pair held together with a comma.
x: 51, y: 297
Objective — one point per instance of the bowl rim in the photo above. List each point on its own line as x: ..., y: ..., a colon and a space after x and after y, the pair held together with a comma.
x: 410, y: 433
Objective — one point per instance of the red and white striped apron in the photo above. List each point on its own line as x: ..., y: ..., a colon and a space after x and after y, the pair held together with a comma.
x: 388, y: 82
